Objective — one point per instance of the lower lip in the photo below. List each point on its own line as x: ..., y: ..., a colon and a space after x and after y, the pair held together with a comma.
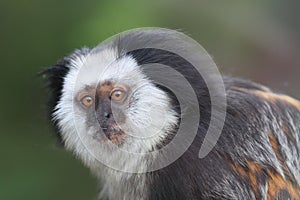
x: 108, y: 135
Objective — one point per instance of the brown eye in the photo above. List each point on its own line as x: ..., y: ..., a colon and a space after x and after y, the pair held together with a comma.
x: 118, y: 95
x: 87, y: 101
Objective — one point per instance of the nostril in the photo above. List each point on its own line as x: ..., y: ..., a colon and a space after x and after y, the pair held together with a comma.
x: 106, y: 114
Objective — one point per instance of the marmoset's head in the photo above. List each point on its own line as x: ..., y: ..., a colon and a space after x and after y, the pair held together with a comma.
x: 103, y: 99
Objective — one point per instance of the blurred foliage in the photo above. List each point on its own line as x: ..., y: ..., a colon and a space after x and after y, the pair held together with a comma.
x: 257, y: 40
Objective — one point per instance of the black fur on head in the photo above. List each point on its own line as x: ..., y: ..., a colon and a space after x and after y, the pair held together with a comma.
x: 55, y: 76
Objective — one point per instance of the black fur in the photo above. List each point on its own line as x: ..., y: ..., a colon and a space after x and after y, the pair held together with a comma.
x: 192, y: 178
x: 54, y: 76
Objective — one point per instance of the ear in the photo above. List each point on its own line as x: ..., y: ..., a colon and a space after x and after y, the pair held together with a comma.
x: 54, y: 78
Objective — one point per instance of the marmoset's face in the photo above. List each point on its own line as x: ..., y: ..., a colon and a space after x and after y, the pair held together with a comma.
x: 105, y: 105
x: 108, y: 100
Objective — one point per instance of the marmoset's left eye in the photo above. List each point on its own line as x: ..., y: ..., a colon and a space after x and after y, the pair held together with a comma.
x: 118, y: 95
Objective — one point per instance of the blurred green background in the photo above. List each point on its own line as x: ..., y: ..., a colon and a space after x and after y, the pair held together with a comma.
x: 257, y: 40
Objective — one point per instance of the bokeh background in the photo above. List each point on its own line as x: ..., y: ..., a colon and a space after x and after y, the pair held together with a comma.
x: 257, y: 40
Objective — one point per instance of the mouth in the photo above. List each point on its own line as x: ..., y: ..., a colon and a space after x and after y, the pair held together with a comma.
x: 112, y: 133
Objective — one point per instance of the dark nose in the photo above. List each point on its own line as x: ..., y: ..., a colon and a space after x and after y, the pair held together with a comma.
x: 105, y: 120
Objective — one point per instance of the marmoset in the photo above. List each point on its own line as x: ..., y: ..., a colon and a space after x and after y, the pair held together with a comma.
x: 113, y: 115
